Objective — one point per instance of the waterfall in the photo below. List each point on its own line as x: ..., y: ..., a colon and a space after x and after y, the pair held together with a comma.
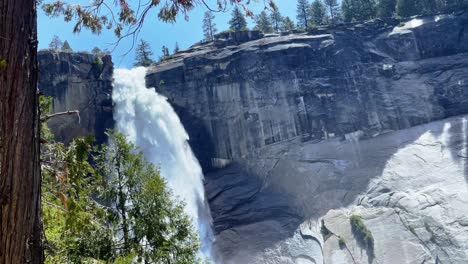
x: 149, y: 121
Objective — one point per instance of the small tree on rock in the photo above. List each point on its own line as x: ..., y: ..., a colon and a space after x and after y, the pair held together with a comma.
x: 303, y: 14
x: 165, y: 51
x: 66, y: 47
x: 333, y: 10
x: 386, y: 8
x: 209, y: 26
x: 96, y: 51
x: 358, y: 10
x: 263, y: 23
x: 276, y: 19
x: 318, y: 13
x: 406, y: 8
x: 143, y: 54
x: 237, y: 22
x: 176, y: 48
x: 55, y: 44
x: 287, y: 25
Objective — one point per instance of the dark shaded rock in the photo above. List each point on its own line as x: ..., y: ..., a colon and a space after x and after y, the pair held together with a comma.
x: 77, y: 81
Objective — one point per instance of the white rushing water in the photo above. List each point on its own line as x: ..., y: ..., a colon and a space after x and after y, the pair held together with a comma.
x: 149, y: 121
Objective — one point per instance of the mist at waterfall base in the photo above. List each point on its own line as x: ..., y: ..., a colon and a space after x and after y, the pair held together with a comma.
x: 149, y: 121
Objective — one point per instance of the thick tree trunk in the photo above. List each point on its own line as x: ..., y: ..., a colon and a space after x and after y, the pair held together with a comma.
x: 20, y: 230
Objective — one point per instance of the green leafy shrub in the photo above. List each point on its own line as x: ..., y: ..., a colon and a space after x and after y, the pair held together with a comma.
x: 360, y: 231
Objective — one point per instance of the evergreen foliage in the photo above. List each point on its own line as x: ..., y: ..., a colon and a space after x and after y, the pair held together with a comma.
x: 55, y: 44
x: 209, y: 26
x: 143, y: 54
x: 428, y: 6
x: 176, y: 48
x: 406, y: 8
x: 277, y: 20
x: 358, y: 10
x: 149, y: 222
x: 74, y: 224
x: 333, y: 10
x: 165, y: 52
x: 66, y: 47
x: 108, y: 205
x: 386, y: 8
x: 126, y: 13
x: 303, y: 14
x: 237, y: 22
x: 263, y: 23
x: 450, y: 5
x: 116, y: 209
x: 96, y: 51
x: 318, y: 12
x: 287, y: 25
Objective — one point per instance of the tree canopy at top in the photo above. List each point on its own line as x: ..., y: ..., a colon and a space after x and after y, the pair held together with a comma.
x: 130, y: 15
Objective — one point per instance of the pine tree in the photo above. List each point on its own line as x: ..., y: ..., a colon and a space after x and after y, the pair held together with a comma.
x: 176, y: 48
x: 165, y: 52
x: 143, y: 54
x: 358, y: 10
x: 55, y: 44
x: 237, y: 22
x: 386, y: 8
x: 406, y: 8
x: 150, y: 223
x: 318, y: 12
x: 276, y: 19
x: 333, y: 10
x: 66, y: 47
x: 451, y: 5
x: 370, y: 9
x: 287, y: 25
x: 347, y: 10
x: 428, y: 6
x: 96, y: 51
x: 303, y: 14
x: 209, y: 26
x: 263, y: 23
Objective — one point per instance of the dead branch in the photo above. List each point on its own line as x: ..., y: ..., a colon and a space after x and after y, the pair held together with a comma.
x: 70, y: 112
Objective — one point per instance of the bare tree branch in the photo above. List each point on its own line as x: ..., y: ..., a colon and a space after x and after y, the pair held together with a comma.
x: 70, y: 112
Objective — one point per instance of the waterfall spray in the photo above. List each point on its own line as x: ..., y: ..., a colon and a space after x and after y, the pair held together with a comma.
x: 150, y: 123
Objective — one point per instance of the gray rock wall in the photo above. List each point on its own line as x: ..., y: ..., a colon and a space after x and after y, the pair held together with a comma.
x: 77, y: 81
x: 294, y: 129
x: 316, y: 87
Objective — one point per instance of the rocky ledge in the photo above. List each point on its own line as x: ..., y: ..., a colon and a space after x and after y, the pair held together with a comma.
x: 77, y: 81
x: 297, y: 133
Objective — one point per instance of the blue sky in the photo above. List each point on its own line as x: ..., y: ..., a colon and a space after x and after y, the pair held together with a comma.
x: 157, y: 33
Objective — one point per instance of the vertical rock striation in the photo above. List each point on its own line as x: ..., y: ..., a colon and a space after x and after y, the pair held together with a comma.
x: 324, y: 125
x: 77, y: 81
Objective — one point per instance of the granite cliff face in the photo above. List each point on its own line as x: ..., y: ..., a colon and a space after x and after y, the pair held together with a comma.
x: 297, y: 133
x: 77, y: 81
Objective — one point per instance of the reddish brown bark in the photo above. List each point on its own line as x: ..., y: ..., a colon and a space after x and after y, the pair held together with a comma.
x: 20, y: 230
